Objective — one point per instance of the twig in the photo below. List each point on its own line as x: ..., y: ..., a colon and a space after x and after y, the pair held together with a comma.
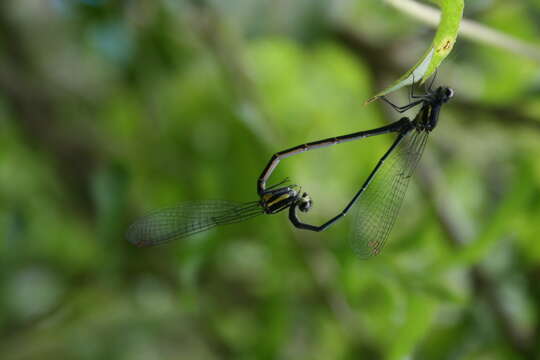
x: 504, y: 115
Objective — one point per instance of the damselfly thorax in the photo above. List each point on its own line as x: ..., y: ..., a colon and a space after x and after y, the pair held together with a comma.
x: 276, y: 200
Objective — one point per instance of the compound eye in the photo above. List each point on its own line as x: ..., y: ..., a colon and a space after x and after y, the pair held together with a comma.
x: 305, y: 203
x: 449, y: 93
x: 305, y: 206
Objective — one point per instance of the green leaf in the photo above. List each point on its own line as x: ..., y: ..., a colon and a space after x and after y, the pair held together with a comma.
x: 443, y: 42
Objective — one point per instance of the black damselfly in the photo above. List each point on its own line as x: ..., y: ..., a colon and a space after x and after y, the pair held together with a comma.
x: 383, y: 191
x: 381, y: 195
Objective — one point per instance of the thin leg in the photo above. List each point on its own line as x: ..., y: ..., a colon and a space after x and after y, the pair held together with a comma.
x: 293, y: 217
x: 397, y: 126
x: 401, y: 109
x: 411, y: 104
x: 430, y: 87
x: 279, y: 184
x: 412, y: 96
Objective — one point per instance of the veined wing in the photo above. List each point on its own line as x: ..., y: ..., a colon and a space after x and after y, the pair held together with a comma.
x: 186, y: 219
x: 379, y: 205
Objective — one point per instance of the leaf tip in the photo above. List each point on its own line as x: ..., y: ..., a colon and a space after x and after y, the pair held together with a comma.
x: 371, y: 99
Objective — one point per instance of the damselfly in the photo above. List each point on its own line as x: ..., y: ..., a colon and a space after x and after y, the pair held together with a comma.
x: 383, y: 190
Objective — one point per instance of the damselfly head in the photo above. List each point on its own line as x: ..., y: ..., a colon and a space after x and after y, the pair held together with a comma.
x: 444, y: 93
x: 304, y: 202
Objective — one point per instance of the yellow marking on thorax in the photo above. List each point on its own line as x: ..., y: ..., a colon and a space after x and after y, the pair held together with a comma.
x: 282, y: 197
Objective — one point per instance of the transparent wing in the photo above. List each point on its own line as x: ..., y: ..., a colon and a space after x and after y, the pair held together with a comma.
x: 186, y: 219
x: 379, y: 205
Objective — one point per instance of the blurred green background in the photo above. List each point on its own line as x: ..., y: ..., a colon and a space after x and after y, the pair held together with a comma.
x: 110, y: 109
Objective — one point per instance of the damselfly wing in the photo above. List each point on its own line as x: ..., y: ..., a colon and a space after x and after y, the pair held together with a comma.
x: 379, y: 205
x: 186, y: 219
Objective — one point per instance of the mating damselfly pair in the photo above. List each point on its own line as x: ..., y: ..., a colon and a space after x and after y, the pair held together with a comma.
x: 381, y: 193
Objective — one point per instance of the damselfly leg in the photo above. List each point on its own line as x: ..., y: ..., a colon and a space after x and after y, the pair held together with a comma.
x: 401, y: 109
